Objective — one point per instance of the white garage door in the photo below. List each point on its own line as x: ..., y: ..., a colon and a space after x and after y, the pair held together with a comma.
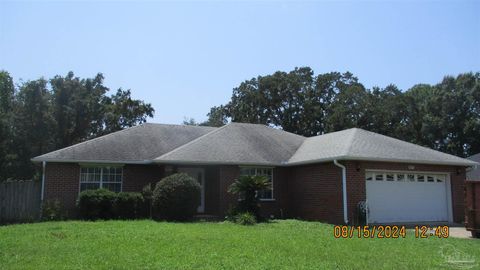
x: 406, y: 197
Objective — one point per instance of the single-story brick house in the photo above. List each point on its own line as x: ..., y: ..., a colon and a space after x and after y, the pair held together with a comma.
x: 318, y: 178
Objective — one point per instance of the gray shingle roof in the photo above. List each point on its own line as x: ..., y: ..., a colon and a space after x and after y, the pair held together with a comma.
x: 244, y: 144
x: 359, y: 144
x: 237, y: 143
x: 474, y: 173
x: 140, y: 144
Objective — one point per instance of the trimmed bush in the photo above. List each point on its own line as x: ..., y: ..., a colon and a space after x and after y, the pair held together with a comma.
x: 176, y: 197
x: 96, y: 204
x: 129, y: 205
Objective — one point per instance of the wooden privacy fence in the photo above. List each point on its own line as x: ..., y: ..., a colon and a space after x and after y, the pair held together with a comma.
x: 19, y: 201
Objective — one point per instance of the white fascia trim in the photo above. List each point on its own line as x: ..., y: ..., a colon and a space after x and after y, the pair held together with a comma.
x: 284, y: 164
x: 94, y: 161
x: 236, y: 163
x: 96, y: 164
x: 428, y: 162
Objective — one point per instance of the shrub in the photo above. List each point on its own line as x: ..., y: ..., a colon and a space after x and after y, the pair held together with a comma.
x: 96, y: 204
x: 129, y: 205
x: 232, y: 212
x: 52, y: 210
x: 245, y: 218
x: 247, y: 188
x: 176, y: 197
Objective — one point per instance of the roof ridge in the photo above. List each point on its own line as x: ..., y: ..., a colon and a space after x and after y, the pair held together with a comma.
x: 178, y: 125
x: 474, y: 156
x: 192, y: 141
x: 344, y: 151
x: 91, y: 140
x: 268, y: 127
x: 349, y: 144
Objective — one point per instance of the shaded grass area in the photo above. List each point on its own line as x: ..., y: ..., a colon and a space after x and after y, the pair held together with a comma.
x: 287, y: 244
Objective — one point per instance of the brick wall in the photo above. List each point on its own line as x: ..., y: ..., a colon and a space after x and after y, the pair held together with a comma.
x: 135, y: 177
x: 356, y: 188
x: 62, y: 181
x: 278, y: 207
x: 227, y: 175
x: 316, y: 190
x: 311, y: 192
x: 316, y: 193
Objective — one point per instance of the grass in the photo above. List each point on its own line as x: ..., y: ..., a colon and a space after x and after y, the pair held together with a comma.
x: 285, y: 244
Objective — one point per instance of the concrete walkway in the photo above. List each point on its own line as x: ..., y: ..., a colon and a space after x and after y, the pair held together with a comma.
x: 460, y: 232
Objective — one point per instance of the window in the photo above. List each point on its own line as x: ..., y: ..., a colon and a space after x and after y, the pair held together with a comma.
x: 440, y: 178
x: 101, y: 177
x: 268, y: 172
x: 405, y: 177
x: 379, y: 176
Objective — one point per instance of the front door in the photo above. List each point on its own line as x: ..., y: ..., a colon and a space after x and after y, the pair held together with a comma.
x: 199, y: 175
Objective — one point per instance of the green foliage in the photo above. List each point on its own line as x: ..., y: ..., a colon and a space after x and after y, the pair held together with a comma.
x: 122, y: 111
x: 42, y: 115
x: 445, y: 116
x: 189, y: 122
x: 216, y: 117
x: 52, y: 210
x: 282, y: 244
x: 130, y: 205
x: 7, y: 156
x: 245, y: 218
x: 34, y: 123
x: 96, y: 204
x: 176, y: 197
x: 247, y: 188
x: 105, y: 204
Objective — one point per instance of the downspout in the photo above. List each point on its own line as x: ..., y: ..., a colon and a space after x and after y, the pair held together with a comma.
x: 44, y: 163
x: 344, y: 186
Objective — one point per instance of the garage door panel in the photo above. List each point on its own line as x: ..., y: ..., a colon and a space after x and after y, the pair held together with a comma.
x: 402, y: 200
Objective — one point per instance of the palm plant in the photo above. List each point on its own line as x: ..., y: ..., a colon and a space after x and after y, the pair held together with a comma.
x: 247, y: 188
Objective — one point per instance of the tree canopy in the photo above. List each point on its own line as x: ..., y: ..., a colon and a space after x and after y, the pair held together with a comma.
x: 42, y: 115
x: 444, y: 116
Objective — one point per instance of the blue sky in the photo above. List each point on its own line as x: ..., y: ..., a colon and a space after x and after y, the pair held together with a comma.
x: 186, y: 57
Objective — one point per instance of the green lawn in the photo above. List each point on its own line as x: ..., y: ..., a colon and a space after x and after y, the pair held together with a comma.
x: 157, y: 245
